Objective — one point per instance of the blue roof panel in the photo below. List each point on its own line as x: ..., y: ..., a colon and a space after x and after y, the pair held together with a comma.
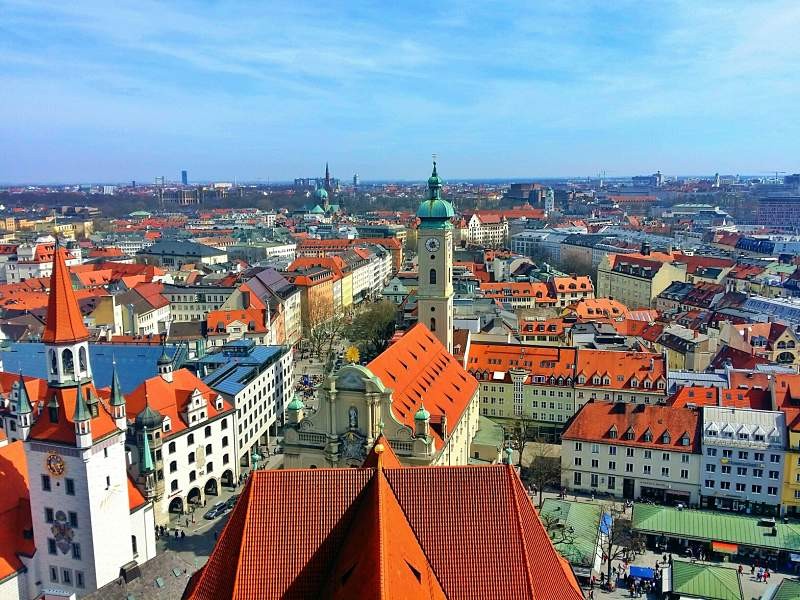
x: 134, y: 363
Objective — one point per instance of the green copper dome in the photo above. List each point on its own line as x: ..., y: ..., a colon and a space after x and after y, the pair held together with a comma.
x: 296, y: 404
x: 320, y: 193
x: 435, y: 211
x: 422, y: 414
x: 148, y: 418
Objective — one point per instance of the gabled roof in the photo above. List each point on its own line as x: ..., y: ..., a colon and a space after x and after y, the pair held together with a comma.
x: 171, y: 399
x: 64, y: 323
x: 418, y: 368
x: 594, y: 420
x: 410, y: 525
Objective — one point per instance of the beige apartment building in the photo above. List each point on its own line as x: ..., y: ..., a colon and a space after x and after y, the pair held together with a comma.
x: 633, y: 451
x: 636, y: 279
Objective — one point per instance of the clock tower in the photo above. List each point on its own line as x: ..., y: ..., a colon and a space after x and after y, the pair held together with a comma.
x: 435, y: 258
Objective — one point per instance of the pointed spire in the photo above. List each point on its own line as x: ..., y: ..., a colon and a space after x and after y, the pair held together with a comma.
x: 327, y: 172
x: 147, y: 459
x: 64, y: 321
x: 117, y: 399
x: 24, y: 404
x: 81, y: 408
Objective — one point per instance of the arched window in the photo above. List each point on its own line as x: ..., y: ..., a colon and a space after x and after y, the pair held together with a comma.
x: 174, y: 485
x: 173, y: 466
x: 53, y: 362
x: 432, y: 276
x: 82, y: 362
x: 208, y: 449
x: 67, y: 363
x: 433, y: 324
x: 352, y: 417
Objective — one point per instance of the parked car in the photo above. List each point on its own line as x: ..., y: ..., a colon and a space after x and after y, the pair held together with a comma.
x: 231, y: 502
x: 218, y: 509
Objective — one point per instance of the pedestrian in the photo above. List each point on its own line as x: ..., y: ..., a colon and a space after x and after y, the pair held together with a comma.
x: 592, y: 496
x: 591, y: 594
x: 752, y: 569
x: 741, y: 570
x: 176, y: 533
x: 183, y: 534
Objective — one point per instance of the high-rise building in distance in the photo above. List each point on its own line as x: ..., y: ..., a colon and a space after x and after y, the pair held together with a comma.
x: 184, y: 177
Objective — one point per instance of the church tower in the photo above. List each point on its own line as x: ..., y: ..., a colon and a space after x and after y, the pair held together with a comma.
x: 75, y: 451
x: 435, y: 256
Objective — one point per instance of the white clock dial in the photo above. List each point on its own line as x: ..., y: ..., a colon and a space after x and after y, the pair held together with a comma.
x: 432, y: 244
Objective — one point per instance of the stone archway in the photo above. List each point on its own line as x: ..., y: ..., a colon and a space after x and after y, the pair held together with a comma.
x: 194, y: 497
x: 176, y: 505
x: 211, y: 487
x: 227, y: 478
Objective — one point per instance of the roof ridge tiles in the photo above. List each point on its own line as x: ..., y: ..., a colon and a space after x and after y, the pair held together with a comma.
x: 520, y: 527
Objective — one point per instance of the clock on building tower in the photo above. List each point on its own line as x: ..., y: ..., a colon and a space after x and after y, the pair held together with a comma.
x: 435, y: 257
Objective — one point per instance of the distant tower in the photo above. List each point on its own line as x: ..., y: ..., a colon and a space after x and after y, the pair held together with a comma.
x: 328, y: 184
x: 435, y: 251
x: 716, y: 180
x: 184, y: 177
x: 355, y: 180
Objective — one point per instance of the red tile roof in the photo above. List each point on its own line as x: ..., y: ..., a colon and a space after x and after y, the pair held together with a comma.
x: 135, y: 498
x: 620, y: 368
x: 420, y: 370
x: 15, y: 511
x: 401, y: 532
x: 608, y: 423
x: 170, y: 399
x: 63, y: 430
x: 64, y: 322
x: 487, y: 359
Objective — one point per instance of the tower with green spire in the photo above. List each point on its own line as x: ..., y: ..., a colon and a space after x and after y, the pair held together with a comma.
x: 24, y: 409
x: 435, y: 255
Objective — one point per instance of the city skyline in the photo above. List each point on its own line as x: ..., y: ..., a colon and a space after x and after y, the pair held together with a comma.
x: 114, y: 93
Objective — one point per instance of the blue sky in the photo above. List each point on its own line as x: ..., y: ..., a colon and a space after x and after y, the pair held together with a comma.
x: 113, y: 91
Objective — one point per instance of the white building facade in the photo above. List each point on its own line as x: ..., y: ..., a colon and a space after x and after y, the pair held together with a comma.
x: 744, y: 452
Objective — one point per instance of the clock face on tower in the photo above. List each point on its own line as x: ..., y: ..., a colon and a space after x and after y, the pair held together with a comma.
x: 55, y: 464
x: 432, y: 244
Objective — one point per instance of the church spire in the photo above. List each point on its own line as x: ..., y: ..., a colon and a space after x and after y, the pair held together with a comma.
x: 64, y: 323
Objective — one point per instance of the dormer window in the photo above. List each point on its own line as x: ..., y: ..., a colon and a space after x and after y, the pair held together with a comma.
x: 648, y: 436
x: 606, y: 381
x: 581, y: 380
x: 629, y: 435
x: 684, y: 440
x: 166, y: 424
x: 218, y: 403
x: 612, y: 433
x: 661, y: 384
x: 634, y: 383
x: 647, y: 385
x: 665, y: 438
x: 595, y: 380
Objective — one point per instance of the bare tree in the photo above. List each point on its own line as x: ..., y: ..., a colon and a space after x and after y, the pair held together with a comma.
x: 544, y: 468
x: 518, y: 435
x: 558, y: 531
x: 619, y: 538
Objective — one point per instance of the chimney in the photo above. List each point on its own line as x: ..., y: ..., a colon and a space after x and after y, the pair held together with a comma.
x: 645, y: 249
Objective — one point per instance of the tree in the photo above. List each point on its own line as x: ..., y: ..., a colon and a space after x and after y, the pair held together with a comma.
x: 372, y: 329
x: 619, y: 541
x: 559, y: 533
x: 519, y: 435
x: 324, y: 329
x: 544, y: 468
